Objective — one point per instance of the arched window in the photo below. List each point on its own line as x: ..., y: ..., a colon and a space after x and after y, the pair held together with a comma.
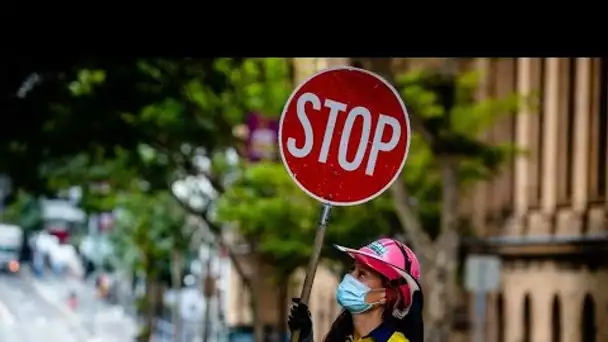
x: 588, y: 328
x: 527, y: 319
x: 500, y: 317
x: 556, y: 318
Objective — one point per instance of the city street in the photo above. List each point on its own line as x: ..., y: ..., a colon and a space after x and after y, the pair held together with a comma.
x: 26, y: 316
x: 34, y: 310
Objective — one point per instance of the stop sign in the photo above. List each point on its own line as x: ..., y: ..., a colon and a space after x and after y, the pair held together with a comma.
x: 344, y: 136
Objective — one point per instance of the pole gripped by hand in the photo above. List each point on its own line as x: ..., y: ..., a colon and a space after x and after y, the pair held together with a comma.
x: 314, y: 261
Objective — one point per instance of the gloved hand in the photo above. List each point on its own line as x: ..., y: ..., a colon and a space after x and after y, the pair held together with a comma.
x: 299, y: 318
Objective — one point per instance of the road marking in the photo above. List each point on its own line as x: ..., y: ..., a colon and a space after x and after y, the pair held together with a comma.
x: 6, y: 317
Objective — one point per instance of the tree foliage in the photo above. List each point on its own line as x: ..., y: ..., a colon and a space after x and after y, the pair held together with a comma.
x: 271, y: 213
x: 25, y: 212
x: 96, y: 105
x: 150, y: 226
x: 456, y: 133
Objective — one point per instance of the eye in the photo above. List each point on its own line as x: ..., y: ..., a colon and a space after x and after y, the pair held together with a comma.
x: 362, y: 274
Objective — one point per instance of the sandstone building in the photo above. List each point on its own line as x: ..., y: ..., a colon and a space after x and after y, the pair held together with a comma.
x: 546, y: 215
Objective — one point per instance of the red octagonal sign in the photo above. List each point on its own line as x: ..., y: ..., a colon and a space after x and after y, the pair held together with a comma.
x: 344, y: 136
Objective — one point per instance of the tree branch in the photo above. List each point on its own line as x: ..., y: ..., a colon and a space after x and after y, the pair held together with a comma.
x: 407, y: 215
x: 410, y: 222
x: 214, y: 181
x: 216, y: 230
x: 418, y: 125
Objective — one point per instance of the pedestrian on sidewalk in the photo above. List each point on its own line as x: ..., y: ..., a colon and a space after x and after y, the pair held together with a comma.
x: 73, y: 300
x: 381, y: 297
x: 38, y: 263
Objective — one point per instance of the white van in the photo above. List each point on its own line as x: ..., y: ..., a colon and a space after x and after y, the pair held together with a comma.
x: 11, y: 242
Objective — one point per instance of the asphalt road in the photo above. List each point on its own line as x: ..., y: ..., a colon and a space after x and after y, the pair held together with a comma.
x: 27, y: 317
x: 34, y: 310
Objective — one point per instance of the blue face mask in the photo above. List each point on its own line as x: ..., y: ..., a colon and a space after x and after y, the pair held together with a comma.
x: 352, y: 293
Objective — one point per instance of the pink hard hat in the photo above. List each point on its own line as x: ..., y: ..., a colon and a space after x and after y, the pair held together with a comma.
x: 395, y: 261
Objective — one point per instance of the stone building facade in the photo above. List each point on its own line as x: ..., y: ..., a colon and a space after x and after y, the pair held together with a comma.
x: 546, y: 214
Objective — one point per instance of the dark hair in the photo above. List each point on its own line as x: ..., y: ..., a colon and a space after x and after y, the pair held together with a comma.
x: 412, y: 325
x: 341, y: 328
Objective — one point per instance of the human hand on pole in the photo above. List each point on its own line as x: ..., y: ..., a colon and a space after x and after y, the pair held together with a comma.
x: 299, y: 318
x: 312, y: 265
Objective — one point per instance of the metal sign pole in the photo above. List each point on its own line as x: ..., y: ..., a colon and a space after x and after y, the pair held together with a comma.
x: 314, y: 261
x: 482, y: 276
x: 480, y: 305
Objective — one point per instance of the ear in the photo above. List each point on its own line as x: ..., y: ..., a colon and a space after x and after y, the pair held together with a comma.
x: 392, y: 295
x: 375, y: 296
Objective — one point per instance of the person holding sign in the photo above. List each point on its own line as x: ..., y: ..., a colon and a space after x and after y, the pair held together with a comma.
x: 381, y: 297
x: 344, y: 136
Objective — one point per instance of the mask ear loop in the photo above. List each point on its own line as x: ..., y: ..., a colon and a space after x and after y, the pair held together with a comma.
x: 378, y: 302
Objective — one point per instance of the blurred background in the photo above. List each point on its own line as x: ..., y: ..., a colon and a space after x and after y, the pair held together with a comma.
x: 143, y: 199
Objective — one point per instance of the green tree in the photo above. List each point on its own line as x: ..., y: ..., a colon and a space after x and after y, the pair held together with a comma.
x: 276, y: 220
x: 158, y: 117
x: 25, y: 212
x: 152, y: 237
x: 178, y: 115
x: 99, y: 104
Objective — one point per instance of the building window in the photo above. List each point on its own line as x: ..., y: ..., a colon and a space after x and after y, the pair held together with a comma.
x: 513, y: 137
x: 540, y: 136
x: 527, y: 316
x: 536, y: 136
x: 598, y: 166
x: 490, y: 136
x: 588, y: 328
x: 556, y: 318
x: 569, y: 127
x: 602, y: 152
